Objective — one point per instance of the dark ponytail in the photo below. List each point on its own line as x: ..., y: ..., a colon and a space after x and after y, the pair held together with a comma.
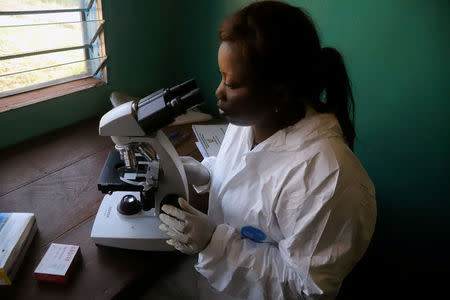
x: 338, y: 96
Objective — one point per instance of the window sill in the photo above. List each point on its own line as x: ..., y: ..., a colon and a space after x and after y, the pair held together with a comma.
x: 32, y: 97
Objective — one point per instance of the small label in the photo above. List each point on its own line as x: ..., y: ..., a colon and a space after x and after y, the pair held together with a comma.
x: 253, y: 233
x: 4, y: 217
x: 108, y: 212
x: 4, y: 280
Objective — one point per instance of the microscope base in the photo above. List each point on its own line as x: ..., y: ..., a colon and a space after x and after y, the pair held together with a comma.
x: 139, y: 231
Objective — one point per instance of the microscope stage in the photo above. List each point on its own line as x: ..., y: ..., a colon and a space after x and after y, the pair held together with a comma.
x: 139, y: 231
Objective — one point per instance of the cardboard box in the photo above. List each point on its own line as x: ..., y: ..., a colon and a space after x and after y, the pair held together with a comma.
x: 58, y: 263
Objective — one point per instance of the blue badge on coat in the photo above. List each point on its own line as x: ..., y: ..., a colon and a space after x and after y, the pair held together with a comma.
x: 253, y: 234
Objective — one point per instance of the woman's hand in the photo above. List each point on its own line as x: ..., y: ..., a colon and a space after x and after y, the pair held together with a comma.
x: 190, y: 229
x: 196, y: 173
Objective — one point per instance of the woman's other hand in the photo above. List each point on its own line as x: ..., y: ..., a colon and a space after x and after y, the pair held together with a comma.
x: 190, y: 229
x: 196, y: 173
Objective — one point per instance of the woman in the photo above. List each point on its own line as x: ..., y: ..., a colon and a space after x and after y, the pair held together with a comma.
x: 291, y: 210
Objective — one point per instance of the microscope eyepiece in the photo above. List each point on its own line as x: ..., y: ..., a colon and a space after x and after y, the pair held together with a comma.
x: 183, y: 103
x: 162, y: 107
x: 182, y: 88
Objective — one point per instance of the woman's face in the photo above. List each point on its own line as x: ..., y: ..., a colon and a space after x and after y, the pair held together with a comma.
x: 241, y: 101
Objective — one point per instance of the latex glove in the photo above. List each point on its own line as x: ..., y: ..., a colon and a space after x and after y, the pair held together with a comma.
x: 196, y: 173
x: 190, y: 229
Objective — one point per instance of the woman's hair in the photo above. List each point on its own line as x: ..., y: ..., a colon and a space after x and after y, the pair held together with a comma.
x: 281, y: 46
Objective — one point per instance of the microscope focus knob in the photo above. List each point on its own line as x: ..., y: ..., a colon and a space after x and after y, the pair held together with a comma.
x: 170, y: 199
x: 129, y: 205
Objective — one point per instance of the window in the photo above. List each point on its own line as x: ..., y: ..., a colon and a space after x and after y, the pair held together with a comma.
x: 48, y: 42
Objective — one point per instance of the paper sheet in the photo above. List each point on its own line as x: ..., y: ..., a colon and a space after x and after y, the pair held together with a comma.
x: 209, y: 137
x: 201, y: 149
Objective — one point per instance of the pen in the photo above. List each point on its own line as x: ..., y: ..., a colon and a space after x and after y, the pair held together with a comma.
x: 180, y: 139
x: 174, y: 134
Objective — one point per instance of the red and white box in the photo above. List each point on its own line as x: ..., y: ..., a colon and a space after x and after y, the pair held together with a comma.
x: 58, y: 263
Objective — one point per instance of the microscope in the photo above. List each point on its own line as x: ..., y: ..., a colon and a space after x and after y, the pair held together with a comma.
x: 144, y: 171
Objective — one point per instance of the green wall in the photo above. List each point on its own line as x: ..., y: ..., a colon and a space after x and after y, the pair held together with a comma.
x: 23, y: 123
x: 397, y: 53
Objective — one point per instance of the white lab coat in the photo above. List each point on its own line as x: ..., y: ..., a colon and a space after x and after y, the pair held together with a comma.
x: 308, y: 192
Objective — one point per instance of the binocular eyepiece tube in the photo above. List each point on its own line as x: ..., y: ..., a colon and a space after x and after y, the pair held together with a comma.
x: 161, y: 108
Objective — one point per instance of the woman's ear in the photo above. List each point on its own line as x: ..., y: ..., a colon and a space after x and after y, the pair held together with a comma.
x: 288, y: 108
x: 282, y: 94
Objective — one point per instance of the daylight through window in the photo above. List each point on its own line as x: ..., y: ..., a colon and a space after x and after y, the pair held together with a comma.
x: 47, y: 42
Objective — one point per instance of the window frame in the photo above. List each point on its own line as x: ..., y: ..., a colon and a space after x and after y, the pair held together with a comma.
x: 59, y: 87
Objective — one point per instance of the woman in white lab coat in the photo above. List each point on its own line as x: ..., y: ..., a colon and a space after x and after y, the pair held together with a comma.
x: 291, y: 209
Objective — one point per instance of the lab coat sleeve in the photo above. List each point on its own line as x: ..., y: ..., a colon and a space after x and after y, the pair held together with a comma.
x: 321, y: 245
x: 209, y: 163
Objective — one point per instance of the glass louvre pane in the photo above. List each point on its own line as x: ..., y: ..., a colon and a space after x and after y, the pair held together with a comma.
x: 33, y: 5
x: 34, y: 38
x: 23, y: 64
x: 10, y: 20
x: 57, y: 74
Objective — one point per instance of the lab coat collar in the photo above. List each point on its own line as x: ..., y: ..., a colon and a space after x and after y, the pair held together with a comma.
x: 312, y: 127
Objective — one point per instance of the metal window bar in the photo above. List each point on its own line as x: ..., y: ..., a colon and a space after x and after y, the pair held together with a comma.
x: 19, y: 55
x: 45, y: 24
x: 47, y: 11
x: 91, y: 72
x: 35, y: 12
x: 58, y: 65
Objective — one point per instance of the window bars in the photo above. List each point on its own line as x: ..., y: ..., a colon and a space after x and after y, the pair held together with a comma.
x: 47, y: 42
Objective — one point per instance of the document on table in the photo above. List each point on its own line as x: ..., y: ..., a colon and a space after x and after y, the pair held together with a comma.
x: 209, y: 138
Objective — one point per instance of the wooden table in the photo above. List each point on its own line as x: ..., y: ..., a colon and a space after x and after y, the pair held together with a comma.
x: 55, y: 177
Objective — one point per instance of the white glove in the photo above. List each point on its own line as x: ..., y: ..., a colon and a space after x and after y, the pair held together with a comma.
x: 196, y: 173
x: 190, y: 229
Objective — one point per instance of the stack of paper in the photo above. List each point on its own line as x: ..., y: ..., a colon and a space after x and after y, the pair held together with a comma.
x: 209, y: 138
x: 58, y: 263
x: 16, y: 233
